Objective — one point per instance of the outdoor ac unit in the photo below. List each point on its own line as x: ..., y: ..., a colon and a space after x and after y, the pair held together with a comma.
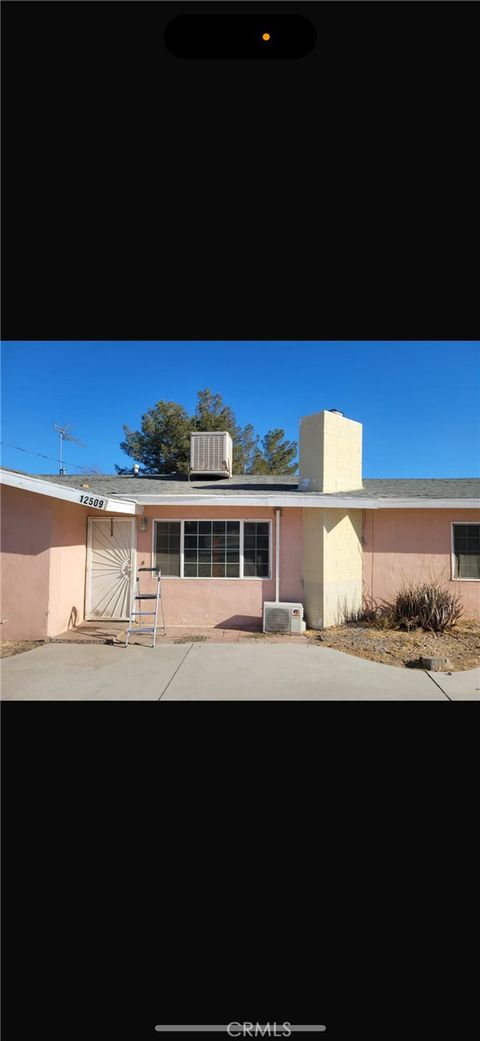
x: 211, y: 454
x: 283, y: 618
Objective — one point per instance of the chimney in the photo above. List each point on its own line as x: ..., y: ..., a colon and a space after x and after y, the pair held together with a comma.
x: 330, y: 452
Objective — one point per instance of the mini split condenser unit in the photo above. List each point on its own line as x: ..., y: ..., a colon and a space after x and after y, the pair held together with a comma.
x: 211, y: 454
x: 283, y: 618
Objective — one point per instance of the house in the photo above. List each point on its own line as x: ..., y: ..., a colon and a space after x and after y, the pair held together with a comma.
x: 226, y: 544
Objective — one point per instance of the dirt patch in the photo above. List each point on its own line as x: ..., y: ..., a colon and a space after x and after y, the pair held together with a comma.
x: 461, y: 646
x: 190, y: 639
x: 9, y: 647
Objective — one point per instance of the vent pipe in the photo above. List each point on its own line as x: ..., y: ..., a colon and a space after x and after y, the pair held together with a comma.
x: 277, y: 556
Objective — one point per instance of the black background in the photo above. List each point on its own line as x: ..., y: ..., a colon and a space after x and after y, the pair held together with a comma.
x: 150, y: 197
x: 281, y: 866
x: 243, y: 36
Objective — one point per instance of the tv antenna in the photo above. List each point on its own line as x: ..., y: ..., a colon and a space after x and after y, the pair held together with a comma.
x: 65, y: 435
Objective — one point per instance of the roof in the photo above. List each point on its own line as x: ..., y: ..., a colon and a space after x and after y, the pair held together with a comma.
x: 179, y: 485
x: 424, y: 487
x: 248, y: 484
x: 129, y: 494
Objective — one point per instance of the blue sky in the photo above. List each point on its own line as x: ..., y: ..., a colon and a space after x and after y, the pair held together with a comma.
x: 419, y: 402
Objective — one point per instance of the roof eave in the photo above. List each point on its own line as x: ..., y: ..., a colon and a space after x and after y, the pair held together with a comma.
x: 308, y: 500
x: 428, y: 504
x: 57, y: 491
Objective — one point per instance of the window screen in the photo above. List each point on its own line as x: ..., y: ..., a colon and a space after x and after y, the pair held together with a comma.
x: 211, y: 549
x: 466, y: 550
x: 168, y: 548
x: 256, y: 562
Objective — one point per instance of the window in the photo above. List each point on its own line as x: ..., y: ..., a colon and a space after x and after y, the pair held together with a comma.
x: 213, y: 549
x: 167, y: 547
x: 466, y: 551
x: 256, y: 538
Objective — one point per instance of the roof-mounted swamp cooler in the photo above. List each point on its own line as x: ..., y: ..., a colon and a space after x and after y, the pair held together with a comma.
x: 211, y: 454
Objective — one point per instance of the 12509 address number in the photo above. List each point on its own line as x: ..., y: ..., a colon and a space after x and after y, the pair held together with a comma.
x: 88, y: 500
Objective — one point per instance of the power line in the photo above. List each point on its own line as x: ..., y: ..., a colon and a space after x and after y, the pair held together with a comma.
x: 40, y: 454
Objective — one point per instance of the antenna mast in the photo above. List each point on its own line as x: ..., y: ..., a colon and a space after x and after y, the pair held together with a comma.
x: 65, y: 435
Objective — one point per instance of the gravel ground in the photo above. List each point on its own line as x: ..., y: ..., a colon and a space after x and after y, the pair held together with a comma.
x: 460, y: 646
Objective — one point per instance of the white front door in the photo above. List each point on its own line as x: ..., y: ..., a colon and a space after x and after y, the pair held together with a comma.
x: 110, y: 567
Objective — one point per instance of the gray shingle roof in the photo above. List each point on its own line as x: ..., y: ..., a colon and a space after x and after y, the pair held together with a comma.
x: 394, y: 488
x: 423, y: 487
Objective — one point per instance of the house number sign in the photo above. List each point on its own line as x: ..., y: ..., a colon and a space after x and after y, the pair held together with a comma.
x: 89, y: 500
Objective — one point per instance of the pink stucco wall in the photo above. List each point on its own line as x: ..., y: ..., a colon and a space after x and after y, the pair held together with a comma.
x: 44, y: 557
x: 43, y: 564
x: 25, y: 543
x: 230, y: 602
x: 402, y: 545
x: 67, y: 566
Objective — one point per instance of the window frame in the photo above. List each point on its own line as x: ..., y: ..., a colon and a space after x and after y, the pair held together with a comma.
x: 167, y: 520
x: 468, y: 523
x: 195, y: 578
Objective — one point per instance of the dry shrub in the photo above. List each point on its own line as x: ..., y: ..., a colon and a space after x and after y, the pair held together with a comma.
x: 428, y: 606
x: 378, y: 611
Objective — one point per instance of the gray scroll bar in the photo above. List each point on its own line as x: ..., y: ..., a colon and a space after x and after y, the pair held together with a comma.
x: 199, y: 1029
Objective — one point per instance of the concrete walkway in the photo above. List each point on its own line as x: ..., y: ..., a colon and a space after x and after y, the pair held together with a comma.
x: 216, y: 672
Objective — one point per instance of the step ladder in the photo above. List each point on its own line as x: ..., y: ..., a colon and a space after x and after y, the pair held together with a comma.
x: 139, y: 597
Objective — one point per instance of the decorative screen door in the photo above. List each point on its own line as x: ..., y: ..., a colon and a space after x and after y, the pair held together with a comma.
x: 110, y: 567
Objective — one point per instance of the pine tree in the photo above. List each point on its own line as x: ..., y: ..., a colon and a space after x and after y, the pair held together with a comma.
x: 276, y: 456
x: 211, y: 413
x: 248, y: 446
x: 162, y: 446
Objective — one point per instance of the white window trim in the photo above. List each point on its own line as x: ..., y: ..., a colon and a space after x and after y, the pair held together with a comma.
x: 241, y: 574
x: 241, y: 521
x: 182, y: 548
x: 457, y: 578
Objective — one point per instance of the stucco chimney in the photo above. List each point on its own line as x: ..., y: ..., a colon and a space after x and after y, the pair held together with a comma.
x: 330, y: 452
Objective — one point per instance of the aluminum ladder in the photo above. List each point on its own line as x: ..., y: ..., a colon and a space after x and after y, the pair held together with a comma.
x: 157, y: 596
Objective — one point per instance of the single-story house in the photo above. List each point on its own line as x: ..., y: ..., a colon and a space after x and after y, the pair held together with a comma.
x: 226, y: 544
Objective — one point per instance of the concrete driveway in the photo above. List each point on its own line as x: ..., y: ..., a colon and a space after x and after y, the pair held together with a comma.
x: 216, y: 672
